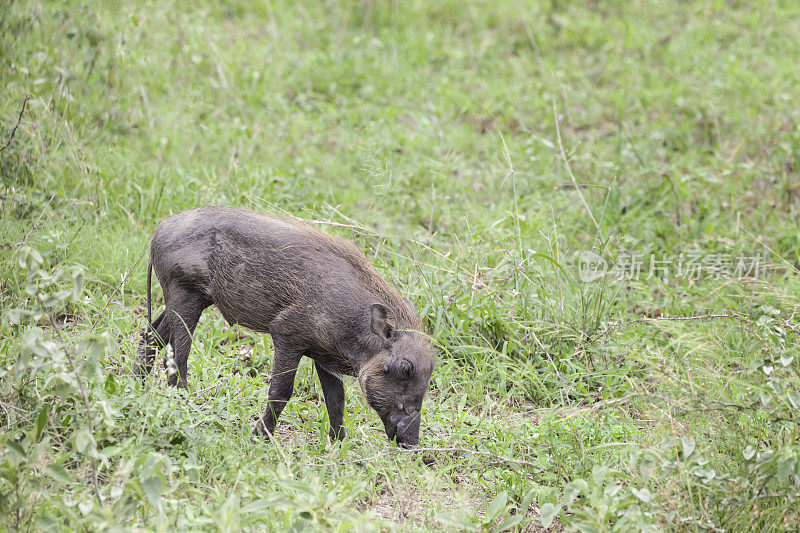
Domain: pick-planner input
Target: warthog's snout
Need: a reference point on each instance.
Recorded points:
(404, 428)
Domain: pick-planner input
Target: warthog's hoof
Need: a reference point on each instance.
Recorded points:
(334, 435)
(260, 433)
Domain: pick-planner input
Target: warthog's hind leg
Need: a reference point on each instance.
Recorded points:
(182, 313)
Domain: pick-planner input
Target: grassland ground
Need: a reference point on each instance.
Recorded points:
(593, 205)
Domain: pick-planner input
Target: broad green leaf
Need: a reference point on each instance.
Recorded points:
(647, 466)
(95, 347)
(526, 502)
(17, 449)
(30, 258)
(110, 384)
(496, 506)
(707, 474)
(611, 491)
(58, 473)
(643, 494)
(548, 513)
(785, 468)
(457, 519)
(30, 346)
(50, 300)
(41, 420)
(765, 397)
(152, 487)
(84, 441)
(110, 451)
(511, 522)
(573, 489)
(794, 398)
(15, 316)
(77, 282)
(688, 445)
(149, 465)
(749, 452)
(45, 523)
(599, 474)
(264, 503)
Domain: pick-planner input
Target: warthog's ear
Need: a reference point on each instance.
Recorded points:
(382, 323)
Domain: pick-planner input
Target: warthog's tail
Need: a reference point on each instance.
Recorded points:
(149, 298)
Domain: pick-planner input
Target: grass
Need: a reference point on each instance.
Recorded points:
(471, 150)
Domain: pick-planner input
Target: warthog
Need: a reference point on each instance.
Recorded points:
(316, 295)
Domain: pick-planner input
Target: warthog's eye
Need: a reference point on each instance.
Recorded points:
(406, 368)
(400, 370)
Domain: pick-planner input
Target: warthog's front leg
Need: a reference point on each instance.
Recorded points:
(333, 390)
(281, 385)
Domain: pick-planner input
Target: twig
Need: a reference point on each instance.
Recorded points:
(696, 522)
(39, 222)
(8, 416)
(773, 252)
(423, 450)
(100, 315)
(146, 105)
(36, 224)
(614, 325)
(17, 199)
(722, 406)
(597, 405)
(738, 406)
(785, 495)
(698, 398)
(569, 169)
(19, 121)
(201, 391)
(786, 419)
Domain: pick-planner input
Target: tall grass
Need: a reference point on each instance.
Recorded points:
(473, 151)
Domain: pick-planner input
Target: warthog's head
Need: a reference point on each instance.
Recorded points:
(394, 381)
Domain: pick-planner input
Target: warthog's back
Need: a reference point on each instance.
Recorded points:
(253, 266)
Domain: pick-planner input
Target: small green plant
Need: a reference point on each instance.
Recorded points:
(49, 378)
(605, 501)
(498, 515)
